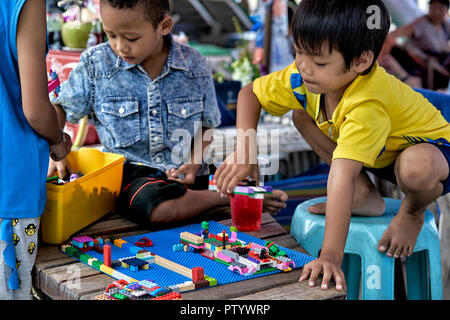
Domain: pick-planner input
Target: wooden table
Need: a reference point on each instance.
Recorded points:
(59, 276)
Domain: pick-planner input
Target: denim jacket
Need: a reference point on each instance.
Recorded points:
(137, 116)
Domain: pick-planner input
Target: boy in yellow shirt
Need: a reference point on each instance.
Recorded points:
(357, 118)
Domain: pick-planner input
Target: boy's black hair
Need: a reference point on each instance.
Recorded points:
(444, 2)
(350, 26)
(155, 10)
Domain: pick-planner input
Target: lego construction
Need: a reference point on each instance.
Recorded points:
(182, 259)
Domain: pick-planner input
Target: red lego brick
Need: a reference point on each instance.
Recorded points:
(198, 274)
(107, 255)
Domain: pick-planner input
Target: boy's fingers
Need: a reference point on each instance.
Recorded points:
(340, 282)
(327, 274)
(223, 175)
(234, 181)
(305, 273)
(226, 181)
(315, 272)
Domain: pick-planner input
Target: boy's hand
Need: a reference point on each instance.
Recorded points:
(62, 168)
(230, 173)
(327, 265)
(60, 150)
(186, 173)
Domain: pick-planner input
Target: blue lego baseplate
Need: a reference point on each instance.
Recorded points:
(163, 242)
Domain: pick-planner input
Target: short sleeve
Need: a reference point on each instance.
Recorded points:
(363, 133)
(275, 93)
(211, 112)
(76, 92)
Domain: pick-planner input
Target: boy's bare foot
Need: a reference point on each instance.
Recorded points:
(367, 201)
(373, 205)
(275, 202)
(400, 236)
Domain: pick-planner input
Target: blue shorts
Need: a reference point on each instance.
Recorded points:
(387, 173)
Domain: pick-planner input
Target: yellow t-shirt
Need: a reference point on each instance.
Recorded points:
(377, 117)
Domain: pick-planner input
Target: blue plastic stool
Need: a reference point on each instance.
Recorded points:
(423, 267)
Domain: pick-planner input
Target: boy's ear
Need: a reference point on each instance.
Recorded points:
(363, 62)
(166, 25)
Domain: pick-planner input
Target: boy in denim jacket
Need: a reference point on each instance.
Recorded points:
(143, 91)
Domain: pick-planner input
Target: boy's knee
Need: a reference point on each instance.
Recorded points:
(417, 168)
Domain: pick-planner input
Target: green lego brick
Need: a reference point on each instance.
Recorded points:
(265, 270)
(70, 250)
(77, 253)
(96, 264)
(85, 257)
(120, 296)
(212, 281)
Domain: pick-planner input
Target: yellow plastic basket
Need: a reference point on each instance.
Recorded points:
(74, 205)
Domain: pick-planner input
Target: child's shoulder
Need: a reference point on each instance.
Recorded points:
(99, 55)
(193, 61)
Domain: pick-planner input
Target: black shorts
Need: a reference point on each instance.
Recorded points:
(143, 188)
(387, 173)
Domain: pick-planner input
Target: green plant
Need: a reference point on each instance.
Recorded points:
(241, 69)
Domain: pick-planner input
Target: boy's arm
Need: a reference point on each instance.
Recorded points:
(242, 162)
(31, 47)
(318, 141)
(340, 190)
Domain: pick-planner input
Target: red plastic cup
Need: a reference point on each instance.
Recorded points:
(246, 212)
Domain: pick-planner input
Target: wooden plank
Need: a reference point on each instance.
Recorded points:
(295, 291)
(65, 282)
(94, 285)
(242, 288)
(47, 258)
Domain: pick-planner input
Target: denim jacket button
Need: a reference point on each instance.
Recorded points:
(183, 112)
(121, 110)
(154, 112)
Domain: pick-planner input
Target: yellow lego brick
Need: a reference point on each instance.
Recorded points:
(119, 242)
(106, 269)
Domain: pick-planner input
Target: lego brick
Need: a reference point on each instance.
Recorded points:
(187, 286)
(198, 274)
(96, 264)
(118, 242)
(85, 258)
(212, 281)
(173, 266)
(106, 269)
(107, 255)
(134, 249)
(201, 284)
(191, 238)
(169, 296)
